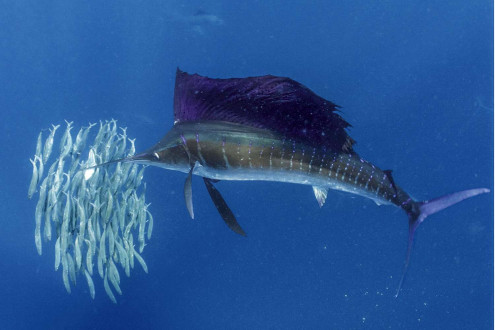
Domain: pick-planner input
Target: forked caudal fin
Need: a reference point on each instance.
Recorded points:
(421, 210)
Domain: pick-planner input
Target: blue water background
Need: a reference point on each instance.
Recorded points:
(415, 79)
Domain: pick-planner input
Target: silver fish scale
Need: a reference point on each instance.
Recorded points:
(94, 219)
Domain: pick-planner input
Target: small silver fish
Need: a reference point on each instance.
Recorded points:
(77, 254)
(130, 249)
(121, 143)
(65, 137)
(114, 276)
(37, 231)
(102, 252)
(67, 209)
(57, 253)
(48, 229)
(41, 166)
(111, 241)
(122, 254)
(100, 266)
(66, 186)
(34, 179)
(142, 224)
(109, 207)
(39, 146)
(89, 257)
(139, 176)
(72, 268)
(65, 273)
(108, 290)
(51, 172)
(150, 223)
(132, 150)
(91, 285)
(47, 150)
(141, 261)
(92, 236)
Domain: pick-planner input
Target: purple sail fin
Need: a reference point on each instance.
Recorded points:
(278, 104)
(420, 210)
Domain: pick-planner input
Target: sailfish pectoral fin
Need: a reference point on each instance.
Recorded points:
(188, 193)
(223, 208)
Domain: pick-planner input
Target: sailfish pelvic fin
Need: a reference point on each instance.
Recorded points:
(222, 207)
(188, 193)
(420, 210)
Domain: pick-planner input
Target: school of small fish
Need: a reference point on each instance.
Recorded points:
(93, 215)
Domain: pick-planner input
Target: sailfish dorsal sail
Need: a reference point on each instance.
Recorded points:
(278, 104)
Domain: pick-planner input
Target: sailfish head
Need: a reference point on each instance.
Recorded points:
(167, 153)
(168, 157)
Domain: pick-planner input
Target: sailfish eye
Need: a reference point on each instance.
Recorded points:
(156, 155)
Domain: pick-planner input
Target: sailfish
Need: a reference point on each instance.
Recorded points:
(273, 128)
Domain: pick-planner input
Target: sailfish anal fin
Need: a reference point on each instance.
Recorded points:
(223, 208)
(320, 194)
(188, 193)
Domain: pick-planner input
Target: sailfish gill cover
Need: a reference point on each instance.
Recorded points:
(278, 104)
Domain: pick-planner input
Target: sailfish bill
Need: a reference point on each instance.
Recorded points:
(272, 128)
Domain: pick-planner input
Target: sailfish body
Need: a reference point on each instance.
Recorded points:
(228, 151)
(273, 129)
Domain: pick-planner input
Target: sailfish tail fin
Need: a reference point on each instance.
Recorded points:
(421, 210)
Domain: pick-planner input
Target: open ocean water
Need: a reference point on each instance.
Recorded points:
(414, 79)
